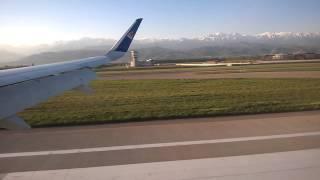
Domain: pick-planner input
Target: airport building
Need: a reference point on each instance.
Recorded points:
(134, 58)
(296, 56)
(282, 56)
(311, 56)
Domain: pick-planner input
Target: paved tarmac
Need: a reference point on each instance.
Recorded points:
(197, 143)
(207, 75)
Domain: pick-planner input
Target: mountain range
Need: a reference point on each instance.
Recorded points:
(211, 45)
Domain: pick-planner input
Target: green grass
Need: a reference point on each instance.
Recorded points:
(129, 100)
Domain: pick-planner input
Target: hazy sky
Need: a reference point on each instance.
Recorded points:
(46, 21)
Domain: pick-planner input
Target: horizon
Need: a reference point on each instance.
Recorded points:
(156, 39)
(35, 22)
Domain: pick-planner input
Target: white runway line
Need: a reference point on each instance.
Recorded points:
(293, 165)
(171, 144)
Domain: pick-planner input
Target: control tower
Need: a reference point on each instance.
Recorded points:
(134, 58)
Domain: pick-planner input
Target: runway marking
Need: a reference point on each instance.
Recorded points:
(293, 165)
(155, 145)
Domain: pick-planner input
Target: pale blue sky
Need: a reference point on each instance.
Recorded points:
(21, 20)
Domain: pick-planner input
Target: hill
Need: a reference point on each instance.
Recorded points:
(212, 45)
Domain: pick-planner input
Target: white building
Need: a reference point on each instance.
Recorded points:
(280, 56)
(134, 58)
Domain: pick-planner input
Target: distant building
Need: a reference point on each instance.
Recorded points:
(148, 62)
(300, 56)
(282, 56)
(311, 55)
(296, 56)
(134, 58)
(268, 57)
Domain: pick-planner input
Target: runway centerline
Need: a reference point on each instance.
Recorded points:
(156, 145)
(293, 165)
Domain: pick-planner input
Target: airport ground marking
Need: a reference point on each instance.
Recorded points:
(156, 145)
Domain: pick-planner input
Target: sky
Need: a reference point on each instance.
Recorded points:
(32, 22)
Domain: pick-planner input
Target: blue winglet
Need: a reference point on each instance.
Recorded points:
(124, 43)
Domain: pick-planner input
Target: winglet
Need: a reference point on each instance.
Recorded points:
(124, 43)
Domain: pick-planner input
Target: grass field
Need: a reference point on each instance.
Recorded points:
(128, 100)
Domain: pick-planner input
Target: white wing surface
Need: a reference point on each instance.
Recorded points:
(21, 88)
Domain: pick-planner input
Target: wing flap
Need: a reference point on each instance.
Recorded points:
(17, 97)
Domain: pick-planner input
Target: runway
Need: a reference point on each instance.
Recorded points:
(207, 75)
(266, 146)
(293, 165)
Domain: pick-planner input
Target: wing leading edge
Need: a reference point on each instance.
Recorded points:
(25, 87)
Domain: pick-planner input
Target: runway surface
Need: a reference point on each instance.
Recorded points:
(207, 75)
(266, 146)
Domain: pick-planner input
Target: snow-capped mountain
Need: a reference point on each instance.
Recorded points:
(213, 39)
(268, 40)
(215, 45)
(287, 35)
(224, 36)
(264, 36)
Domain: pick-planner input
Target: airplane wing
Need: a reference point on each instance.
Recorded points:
(21, 88)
